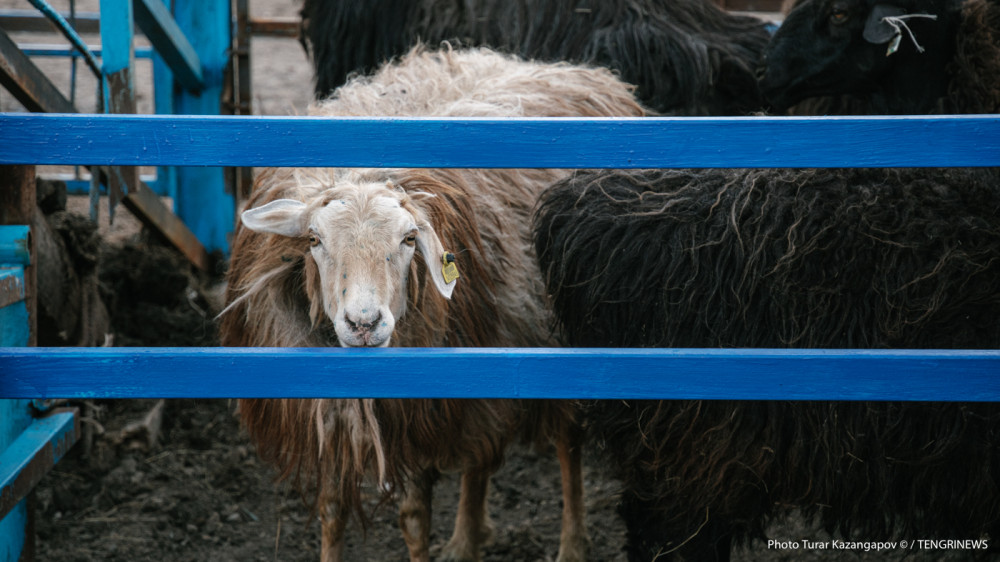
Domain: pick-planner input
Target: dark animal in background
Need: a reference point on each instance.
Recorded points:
(800, 258)
(687, 57)
(886, 57)
(862, 258)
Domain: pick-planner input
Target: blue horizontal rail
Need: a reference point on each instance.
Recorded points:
(750, 142)
(82, 186)
(69, 32)
(47, 50)
(500, 373)
(87, 20)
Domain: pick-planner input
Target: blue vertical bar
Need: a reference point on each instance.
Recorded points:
(15, 415)
(163, 103)
(202, 202)
(116, 38)
(117, 62)
(15, 328)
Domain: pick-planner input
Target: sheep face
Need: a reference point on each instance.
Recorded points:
(860, 47)
(362, 237)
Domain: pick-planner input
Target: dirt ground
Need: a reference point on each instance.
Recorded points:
(201, 494)
(198, 491)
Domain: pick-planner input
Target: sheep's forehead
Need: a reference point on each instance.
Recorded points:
(373, 212)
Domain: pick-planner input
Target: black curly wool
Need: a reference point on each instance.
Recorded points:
(685, 56)
(855, 258)
(860, 258)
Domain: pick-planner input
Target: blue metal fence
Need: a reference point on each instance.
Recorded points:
(15, 415)
(31, 442)
(191, 41)
(200, 141)
(205, 142)
(25, 451)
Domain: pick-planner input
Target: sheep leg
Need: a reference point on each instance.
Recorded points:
(573, 541)
(473, 527)
(415, 515)
(333, 521)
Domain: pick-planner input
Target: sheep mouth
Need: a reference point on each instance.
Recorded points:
(363, 342)
(776, 91)
(781, 97)
(779, 102)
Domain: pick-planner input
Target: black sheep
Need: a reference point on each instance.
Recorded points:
(685, 56)
(860, 258)
(886, 57)
(799, 258)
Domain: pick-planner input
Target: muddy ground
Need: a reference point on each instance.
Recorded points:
(201, 494)
(198, 491)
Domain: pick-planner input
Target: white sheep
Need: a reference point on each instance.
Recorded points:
(325, 257)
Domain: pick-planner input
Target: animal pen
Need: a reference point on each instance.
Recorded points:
(32, 439)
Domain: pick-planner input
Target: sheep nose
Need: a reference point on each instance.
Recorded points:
(363, 324)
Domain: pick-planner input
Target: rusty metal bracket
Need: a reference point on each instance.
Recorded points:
(11, 286)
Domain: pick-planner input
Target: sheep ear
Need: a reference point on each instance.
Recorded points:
(878, 31)
(284, 216)
(432, 250)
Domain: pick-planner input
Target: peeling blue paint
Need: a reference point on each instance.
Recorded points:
(14, 241)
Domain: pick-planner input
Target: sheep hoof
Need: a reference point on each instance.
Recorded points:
(486, 533)
(576, 552)
(463, 550)
(458, 553)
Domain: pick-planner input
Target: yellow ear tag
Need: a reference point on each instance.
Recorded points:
(448, 268)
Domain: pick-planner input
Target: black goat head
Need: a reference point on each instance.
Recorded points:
(895, 49)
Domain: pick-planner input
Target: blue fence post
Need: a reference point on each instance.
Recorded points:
(163, 103)
(202, 201)
(15, 417)
(117, 64)
(17, 205)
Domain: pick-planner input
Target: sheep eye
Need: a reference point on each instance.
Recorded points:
(313, 240)
(838, 17)
(410, 240)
